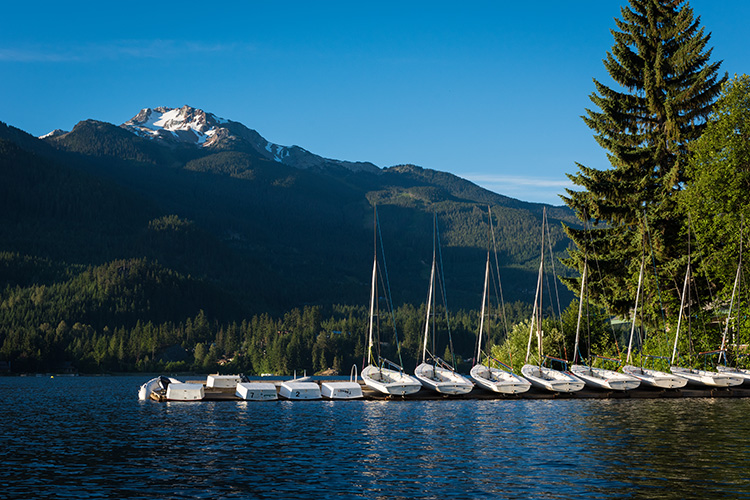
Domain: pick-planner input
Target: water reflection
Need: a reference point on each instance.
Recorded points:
(90, 438)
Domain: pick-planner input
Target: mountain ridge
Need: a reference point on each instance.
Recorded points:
(235, 217)
(188, 125)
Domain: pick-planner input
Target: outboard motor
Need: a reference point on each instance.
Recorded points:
(163, 382)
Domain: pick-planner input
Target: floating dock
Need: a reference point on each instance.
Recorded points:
(228, 394)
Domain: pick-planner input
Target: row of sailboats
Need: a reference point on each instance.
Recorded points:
(696, 376)
(436, 374)
(488, 373)
(680, 376)
(741, 373)
(432, 373)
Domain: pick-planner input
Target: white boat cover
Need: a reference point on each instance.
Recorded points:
(542, 377)
(184, 392)
(391, 382)
(655, 378)
(497, 380)
(601, 378)
(742, 373)
(341, 390)
(294, 389)
(256, 391)
(442, 380)
(706, 378)
(222, 381)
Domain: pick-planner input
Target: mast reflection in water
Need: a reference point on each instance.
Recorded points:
(88, 437)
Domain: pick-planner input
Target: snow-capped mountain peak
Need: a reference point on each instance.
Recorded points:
(183, 124)
(55, 133)
(195, 126)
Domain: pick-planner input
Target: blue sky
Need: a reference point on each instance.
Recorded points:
(491, 91)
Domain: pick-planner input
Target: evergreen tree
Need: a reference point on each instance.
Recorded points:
(666, 88)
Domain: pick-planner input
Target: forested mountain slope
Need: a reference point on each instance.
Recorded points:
(229, 231)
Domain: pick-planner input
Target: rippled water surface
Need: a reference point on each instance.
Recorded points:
(89, 437)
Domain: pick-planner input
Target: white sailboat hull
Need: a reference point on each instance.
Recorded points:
(551, 380)
(341, 390)
(442, 380)
(391, 382)
(497, 380)
(742, 373)
(294, 389)
(707, 378)
(605, 379)
(655, 378)
(256, 391)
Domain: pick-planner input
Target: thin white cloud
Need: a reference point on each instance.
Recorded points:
(526, 188)
(114, 50)
(518, 180)
(34, 54)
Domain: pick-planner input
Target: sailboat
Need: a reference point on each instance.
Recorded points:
(741, 373)
(380, 374)
(599, 378)
(602, 378)
(648, 376)
(484, 375)
(538, 375)
(707, 378)
(694, 376)
(434, 373)
(734, 371)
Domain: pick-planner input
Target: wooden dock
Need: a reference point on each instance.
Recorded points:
(213, 394)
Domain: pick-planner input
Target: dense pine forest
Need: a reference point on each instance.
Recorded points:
(120, 254)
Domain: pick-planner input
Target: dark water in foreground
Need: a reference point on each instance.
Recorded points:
(89, 437)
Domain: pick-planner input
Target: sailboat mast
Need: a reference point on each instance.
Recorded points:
(484, 304)
(536, 313)
(731, 304)
(429, 310)
(541, 296)
(580, 312)
(635, 310)
(373, 286)
(373, 293)
(485, 291)
(682, 307)
(533, 314)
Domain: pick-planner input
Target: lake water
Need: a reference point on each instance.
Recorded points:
(89, 437)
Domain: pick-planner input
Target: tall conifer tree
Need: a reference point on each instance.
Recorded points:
(665, 90)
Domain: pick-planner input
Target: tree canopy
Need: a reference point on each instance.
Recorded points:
(665, 86)
(715, 197)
